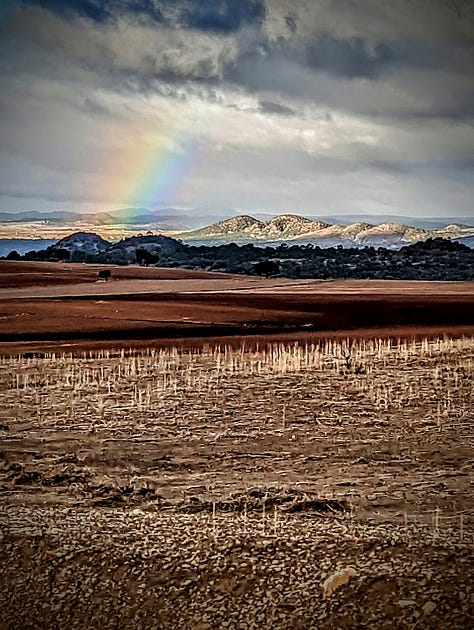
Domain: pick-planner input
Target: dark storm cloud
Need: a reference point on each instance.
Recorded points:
(350, 57)
(91, 9)
(355, 58)
(256, 59)
(342, 58)
(221, 16)
(391, 89)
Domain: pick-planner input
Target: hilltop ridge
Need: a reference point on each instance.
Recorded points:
(293, 228)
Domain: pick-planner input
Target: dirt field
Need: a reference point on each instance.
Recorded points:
(201, 451)
(52, 302)
(223, 488)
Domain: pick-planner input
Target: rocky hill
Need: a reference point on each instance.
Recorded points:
(85, 242)
(466, 240)
(245, 227)
(292, 228)
(241, 226)
(130, 250)
(85, 246)
(291, 225)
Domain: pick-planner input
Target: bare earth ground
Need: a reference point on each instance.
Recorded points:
(53, 302)
(220, 486)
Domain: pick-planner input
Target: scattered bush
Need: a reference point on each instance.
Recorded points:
(105, 274)
(266, 268)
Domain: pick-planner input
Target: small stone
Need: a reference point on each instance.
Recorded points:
(428, 608)
(337, 579)
(406, 602)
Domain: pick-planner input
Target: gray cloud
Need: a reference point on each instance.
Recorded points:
(288, 100)
(92, 106)
(124, 55)
(270, 107)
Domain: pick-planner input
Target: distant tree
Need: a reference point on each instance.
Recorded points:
(145, 257)
(266, 268)
(42, 254)
(78, 256)
(13, 255)
(63, 254)
(105, 274)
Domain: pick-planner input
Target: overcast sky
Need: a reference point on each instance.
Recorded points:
(307, 106)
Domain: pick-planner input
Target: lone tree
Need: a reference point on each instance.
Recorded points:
(266, 268)
(13, 255)
(105, 274)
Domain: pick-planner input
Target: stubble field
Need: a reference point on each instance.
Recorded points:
(223, 487)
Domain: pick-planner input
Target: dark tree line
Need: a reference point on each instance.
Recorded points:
(434, 259)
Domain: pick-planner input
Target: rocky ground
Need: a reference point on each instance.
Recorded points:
(288, 487)
(135, 568)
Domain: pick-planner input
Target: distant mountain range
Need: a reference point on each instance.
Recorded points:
(294, 229)
(55, 217)
(348, 219)
(166, 219)
(245, 227)
(173, 219)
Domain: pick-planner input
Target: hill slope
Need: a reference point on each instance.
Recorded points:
(85, 242)
(292, 228)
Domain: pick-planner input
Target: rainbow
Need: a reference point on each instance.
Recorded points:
(154, 174)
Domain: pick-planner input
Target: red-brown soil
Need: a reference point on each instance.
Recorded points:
(18, 274)
(220, 489)
(40, 303)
